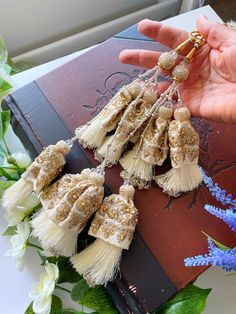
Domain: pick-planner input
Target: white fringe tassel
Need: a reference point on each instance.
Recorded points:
(98, 263)
(53, 238)
(115, 150)
(93, 134)
(179, 180)
(136, 166)
(15, 194)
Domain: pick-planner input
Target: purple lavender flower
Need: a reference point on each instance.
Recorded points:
(228, 216)
(226, 259)
(219, 194)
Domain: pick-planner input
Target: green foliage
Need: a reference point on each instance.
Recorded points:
(220, 245)
(99, 300)
(4, 86)
(3, 51)
(71, 311)
(5, 185)
(20, 66)
(191, 299)
(10, 231)
(79, 290)
(5, 119)
(56, 307)
(95, 298)
(29, 309)
(67, 272)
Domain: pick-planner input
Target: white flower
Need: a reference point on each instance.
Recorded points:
(22, 160)
(41, 292)
(18, 242)
(18, 213)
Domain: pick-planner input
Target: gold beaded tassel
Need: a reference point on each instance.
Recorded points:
(93, 134)
(113, 228)
(150, 150)
(39, 174)
(132, 120)
(67, 206)
(185, 174)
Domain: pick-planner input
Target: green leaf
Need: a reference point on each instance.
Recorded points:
(221, 246)
(67, 272)
(71, 311)
(20, 66)
(56, 306)
(10, 231)
(50, 259)
(99, 300)
(4, 185)
(3, 51)
(4, 85)
(5, 69)
(5, 119)
(191, 299)
(29, 309)
(79, 290)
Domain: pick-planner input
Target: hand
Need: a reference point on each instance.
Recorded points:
(210, 90)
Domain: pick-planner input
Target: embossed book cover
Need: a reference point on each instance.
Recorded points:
(169, 229)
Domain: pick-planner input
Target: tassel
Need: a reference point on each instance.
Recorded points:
(67, 206)
(151, 150)
(185, 174)
(113, 226)
(132, 120)
(38, 175)
(92, 135)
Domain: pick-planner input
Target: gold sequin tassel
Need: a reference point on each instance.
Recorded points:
(113, 226)
(92, 134)
(67, 206)
(185, 174)
(150, 150)
(132, 120)
(39, 174)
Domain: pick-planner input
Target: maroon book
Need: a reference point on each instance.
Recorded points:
(169, 229)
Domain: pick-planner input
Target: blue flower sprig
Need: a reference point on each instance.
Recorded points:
(218, 255)
(219, 194)
(226, 259)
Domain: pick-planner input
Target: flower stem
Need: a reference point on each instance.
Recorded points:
(5, 144)
(34, 245)
(61, 288)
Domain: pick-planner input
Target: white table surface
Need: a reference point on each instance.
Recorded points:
(14, 286)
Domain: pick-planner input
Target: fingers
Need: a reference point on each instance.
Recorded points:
(162, 33)
(143, 58)
(217, 35)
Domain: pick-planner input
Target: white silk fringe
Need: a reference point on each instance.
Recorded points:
(98, 263)
(92, 135)
(178, 180)
(53, 238)
(111, 150)
(136, 166)
(15, 194)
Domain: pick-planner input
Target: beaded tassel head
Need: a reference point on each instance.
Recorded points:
(39, 174)
(67, 206)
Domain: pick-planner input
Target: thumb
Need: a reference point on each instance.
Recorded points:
(216, 34)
